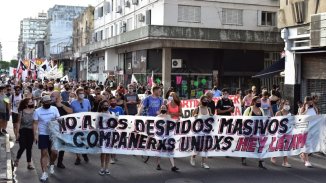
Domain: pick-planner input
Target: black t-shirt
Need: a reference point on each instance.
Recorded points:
(91, 100)
(211, 105)
(62, 112)
(224, 105)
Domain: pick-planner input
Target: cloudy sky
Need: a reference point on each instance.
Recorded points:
(12, 11)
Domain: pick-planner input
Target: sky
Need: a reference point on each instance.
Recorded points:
(13, 11)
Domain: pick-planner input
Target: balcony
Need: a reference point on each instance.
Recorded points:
(154, 32)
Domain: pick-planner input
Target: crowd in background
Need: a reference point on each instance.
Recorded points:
(32, 105)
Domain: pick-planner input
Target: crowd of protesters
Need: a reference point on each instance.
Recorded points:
(33, 105)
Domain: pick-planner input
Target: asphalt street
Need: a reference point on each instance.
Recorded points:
(131, 169)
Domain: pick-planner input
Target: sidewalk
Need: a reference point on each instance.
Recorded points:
(5, 160)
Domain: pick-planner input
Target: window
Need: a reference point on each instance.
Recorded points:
(267, 18)
(189, 13)
(111, 30)
(100, 11)
(129, 24)
(232, 16)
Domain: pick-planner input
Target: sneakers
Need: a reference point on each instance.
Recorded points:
(44, 176)
(104, 172)
(192, 161)
(112, 161)
(308, 164)
(4, 131)
(261, 165)
(51, 169)
(101, 172)
(174, 169)
(204, 165)
(286, 165)
(273, 160)
(77, 162)
(107, 172)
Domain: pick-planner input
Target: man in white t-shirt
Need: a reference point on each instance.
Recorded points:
(15, 101)
(42, 117)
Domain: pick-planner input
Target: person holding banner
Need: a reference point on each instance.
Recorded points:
(284, 111)
(201, 110)
(164, 114)
(80, 105)
(105, 158)
(225, 106)
(254, 110)
(174, 106)
(42, 117)
(64, 109)
(309, 109)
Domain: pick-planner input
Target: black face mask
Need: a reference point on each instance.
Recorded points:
(311, 106)
(113, 105)
(258, 104)
(46, 106)
(163, 111)
(204, 103)
(31, 106)
(105, 108)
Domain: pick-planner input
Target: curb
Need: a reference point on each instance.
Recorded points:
(7, 159)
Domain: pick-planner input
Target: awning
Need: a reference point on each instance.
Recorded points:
(273, 70)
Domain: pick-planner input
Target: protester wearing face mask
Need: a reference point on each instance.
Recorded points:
(266, 104)
(105, 157)
(80, 105)
(308, 108)
(97, 99)
(72, 96)
(16, 98)
(117, 110)
(174, 106)
(42, 118)
(284, 111)
(64, 109)
(26, 135)
(225, 106)
(254, 110)
(132, 100)
(165, 115)
(201, 110)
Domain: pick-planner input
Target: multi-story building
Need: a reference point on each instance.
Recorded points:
(303, 24)
(60, 28)
(32, 30)
(190, 45)
(0, 52)
(82, 34)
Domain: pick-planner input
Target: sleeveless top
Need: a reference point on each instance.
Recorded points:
(265, 105)
(174, 109)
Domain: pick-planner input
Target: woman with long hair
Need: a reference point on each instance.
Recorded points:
(103, 107)
(164, 114)
(174, 106)
(26, 135)
(254, 110)
(284, 111)
(201, 110)
(310, 109)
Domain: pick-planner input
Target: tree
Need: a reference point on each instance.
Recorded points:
(4, 65)
(13, 63)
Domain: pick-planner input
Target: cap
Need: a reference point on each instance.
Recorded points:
(46, 98)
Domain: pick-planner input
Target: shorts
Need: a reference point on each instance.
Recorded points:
(44, 142)
(15, 117)
(3, 116)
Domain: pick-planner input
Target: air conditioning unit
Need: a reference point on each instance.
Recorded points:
(141, 17)
(135, 2)
(119, 9)
(318, 30)
(127, 4)
(123, 27)
(176, 63)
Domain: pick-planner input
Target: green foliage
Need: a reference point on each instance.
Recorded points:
(13, 63)
(4, 65)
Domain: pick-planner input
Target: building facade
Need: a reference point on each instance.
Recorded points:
(190, 45)
(82, 34)
(303, 24)
(32, 30)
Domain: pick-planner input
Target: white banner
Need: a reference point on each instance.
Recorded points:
(237, 136)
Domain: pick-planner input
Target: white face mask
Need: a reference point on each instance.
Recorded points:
(81, 96)
(286, 107)
(170, 98)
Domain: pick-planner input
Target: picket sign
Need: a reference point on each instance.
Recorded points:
(235, 136)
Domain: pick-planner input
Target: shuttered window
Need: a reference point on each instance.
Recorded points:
(189, 13)
(232, 16)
